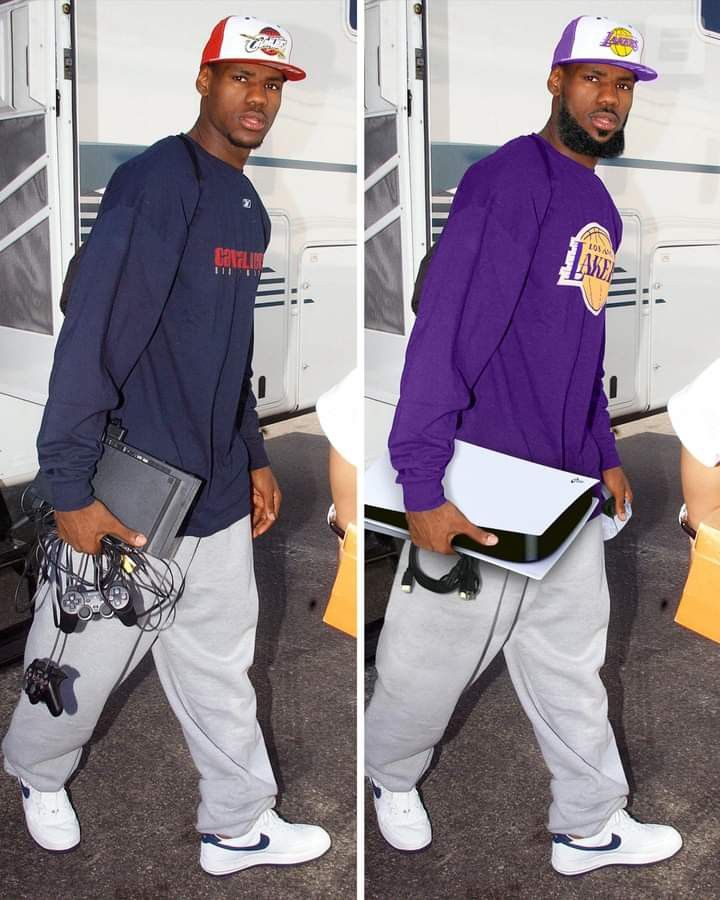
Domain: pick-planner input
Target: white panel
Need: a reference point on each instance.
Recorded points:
(18, 456)
(391, 71)
(20, 21)
(685, 316)
(40, 53)
(378, 421)
(624, 308)
(326, 299)
(272, 309)
(374, 100)
(5, 62)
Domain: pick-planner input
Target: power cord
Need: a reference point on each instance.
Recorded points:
(464, 577)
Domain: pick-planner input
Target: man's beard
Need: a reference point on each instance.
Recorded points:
(574, 136)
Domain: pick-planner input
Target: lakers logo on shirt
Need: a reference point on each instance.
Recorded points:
(589, 265)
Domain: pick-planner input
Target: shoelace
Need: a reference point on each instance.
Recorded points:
(400, 803)
(624, 819)
(272, 819)
(48, 802)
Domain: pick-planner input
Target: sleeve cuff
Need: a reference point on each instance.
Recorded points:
(609, 458)
(421, 495)
(257, 456)
(69, 497)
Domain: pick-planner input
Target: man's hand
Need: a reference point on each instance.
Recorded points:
(266, 499)
(83, 528)
(433, 529)
(615, 481)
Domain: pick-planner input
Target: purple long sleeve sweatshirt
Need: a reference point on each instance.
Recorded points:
(508, 345)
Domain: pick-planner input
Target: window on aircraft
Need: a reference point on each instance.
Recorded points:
(710, 16)
(352, 15)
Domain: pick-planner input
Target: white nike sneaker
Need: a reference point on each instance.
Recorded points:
(402, 818)
(50, 819)
(622, 842)
(271, 841)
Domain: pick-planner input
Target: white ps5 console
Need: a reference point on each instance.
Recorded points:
(535, 511)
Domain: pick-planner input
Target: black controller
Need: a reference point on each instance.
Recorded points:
(83, 603)
(42, 681)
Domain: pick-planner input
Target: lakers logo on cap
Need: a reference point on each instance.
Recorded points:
(620, 41)
(589, 265)
(268, 41)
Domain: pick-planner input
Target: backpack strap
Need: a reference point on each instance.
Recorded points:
(189, 145)
(542, 146)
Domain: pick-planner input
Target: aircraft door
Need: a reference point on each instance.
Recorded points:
(31, 264)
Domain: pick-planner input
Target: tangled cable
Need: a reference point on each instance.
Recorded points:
(464, 577)
(117, 581)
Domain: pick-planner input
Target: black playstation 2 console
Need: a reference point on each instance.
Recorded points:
(145, 493)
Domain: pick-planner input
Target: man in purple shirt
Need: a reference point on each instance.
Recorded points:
(506, 353)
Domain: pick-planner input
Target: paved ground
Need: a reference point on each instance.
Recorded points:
(136, 791)
(488, 788)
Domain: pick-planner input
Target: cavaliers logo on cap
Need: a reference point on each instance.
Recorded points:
(589, 265)
(620, 41)
(268, 41)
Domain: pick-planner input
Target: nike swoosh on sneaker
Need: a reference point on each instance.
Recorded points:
(612, 844)
(25, 790)
(262, 844)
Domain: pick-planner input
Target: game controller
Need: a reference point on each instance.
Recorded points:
(81, 603)
(42, 681)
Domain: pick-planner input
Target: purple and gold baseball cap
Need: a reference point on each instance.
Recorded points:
(594, 39)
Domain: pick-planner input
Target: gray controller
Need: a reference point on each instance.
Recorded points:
(82, 603)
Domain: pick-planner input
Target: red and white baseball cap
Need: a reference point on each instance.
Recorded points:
(245, 39)
(590, 39)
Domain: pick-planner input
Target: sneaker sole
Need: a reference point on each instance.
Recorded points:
(267, 859)
(621, 859)
(51, 849)
(404, 849)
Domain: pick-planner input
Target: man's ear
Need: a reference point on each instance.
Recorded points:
(202, 82)
(555, 79)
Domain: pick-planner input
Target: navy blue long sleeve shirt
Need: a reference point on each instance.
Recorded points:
(159, 332)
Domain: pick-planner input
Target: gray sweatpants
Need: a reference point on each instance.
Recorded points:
(202, 659)
(553, 635)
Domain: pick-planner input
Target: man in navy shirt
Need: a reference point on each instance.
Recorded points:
(159, 334)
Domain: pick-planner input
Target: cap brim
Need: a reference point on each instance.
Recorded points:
(642, 73)
(292, 73)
